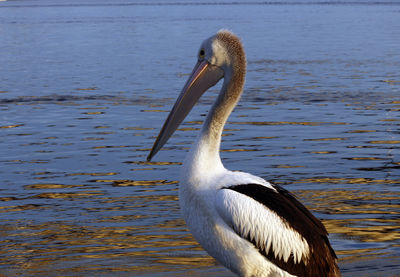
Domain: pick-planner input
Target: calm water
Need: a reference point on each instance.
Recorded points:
(86, 85)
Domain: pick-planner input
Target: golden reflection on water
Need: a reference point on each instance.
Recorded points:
(93, 113)
(384, 141)
(368, 216)
(347, 180)
(125, 183)
(238, 150)
(93, 174)
(310, 123)
(11, 126)
(125, 243)
(324, 139)
(32, 249)
(49, 186)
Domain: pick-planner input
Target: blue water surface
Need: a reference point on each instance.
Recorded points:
(86, 85)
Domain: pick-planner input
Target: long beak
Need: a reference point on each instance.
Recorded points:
(204, 76)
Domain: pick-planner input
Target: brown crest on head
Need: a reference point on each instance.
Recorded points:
(235, 48)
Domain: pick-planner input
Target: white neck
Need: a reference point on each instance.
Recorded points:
(204, 159)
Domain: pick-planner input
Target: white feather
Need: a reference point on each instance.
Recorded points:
(250, 218)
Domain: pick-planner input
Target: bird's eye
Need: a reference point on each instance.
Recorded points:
(202, 53)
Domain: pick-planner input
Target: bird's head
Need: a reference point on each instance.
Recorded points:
(219, 56)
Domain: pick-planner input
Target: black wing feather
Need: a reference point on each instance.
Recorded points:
(322, 258)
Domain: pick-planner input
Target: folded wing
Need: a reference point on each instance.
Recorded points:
(279, 226)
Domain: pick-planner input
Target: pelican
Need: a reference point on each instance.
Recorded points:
(252, 227)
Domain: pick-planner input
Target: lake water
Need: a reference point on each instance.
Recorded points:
(86, 85)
